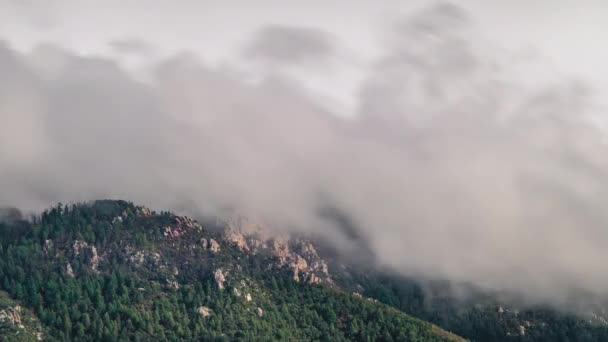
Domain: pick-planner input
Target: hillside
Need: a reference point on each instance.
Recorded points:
(110, 270)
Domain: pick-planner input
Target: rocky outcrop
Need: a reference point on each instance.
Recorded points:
(299, 255)
(93, 258)
(11, 315)
(204, 311)
(143, 212)
(214, 246)
(69, 271)
(181, 224)
(219, 278)
(238, 239)
(298, 265)
(172, 284)
(78, 246)
(248, 297)
(260, 312)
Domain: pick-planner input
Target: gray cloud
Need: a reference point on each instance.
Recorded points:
(455, 167)
(291, 45)
(132, 46)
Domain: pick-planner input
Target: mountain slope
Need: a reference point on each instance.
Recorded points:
(110, 270)
(16, 322)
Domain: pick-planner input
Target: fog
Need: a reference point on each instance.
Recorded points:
(461, 162)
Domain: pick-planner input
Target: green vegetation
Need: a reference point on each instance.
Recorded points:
(478, 321)
(108, 271)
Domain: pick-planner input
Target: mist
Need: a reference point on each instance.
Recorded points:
(460, 161)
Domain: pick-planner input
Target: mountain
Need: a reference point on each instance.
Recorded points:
(110, 270)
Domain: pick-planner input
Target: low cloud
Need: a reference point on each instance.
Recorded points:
(287, 45)
(455, 166)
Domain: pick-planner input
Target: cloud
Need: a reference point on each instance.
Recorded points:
(455, 167)
(132, 46)
(287, 45)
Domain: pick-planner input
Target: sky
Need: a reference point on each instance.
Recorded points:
(567, 33)
(463, 141)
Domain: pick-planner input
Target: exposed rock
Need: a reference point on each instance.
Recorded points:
(69, 271)
(78, 246)
(204, 243)
(357, 294)
(236, 292)
(219, 278)
(238, 239)
(280, 248)
(297, 266)
(248, 297)
(214, 246)
(204, 311)
(173, 284)
(172, 232)
(117, 219)
(135, 257)
(48, 246)
(93, 258)
(11, 315)
(175, 271)
(260, 312)
(143, 211)
(313, 279)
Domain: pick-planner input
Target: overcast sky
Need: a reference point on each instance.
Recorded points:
(569, 34)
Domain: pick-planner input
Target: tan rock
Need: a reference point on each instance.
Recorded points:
(78, 246)
(204, 311)
(214, 246)
(238, 239)
(219, 278)
(69, 271)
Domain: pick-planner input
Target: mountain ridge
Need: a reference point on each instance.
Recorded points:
(110, 270)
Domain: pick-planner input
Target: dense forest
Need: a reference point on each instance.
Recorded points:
(109, 271)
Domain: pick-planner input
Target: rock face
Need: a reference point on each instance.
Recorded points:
(78, 246)
(299, 255)
(172, 284)
(260, 312)
(219, 278)
(238, 239)
(181, 224)
(204, 311)
(248, 297)
(69, 271)
(93, 258)
(214, 246)
(11, 315)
